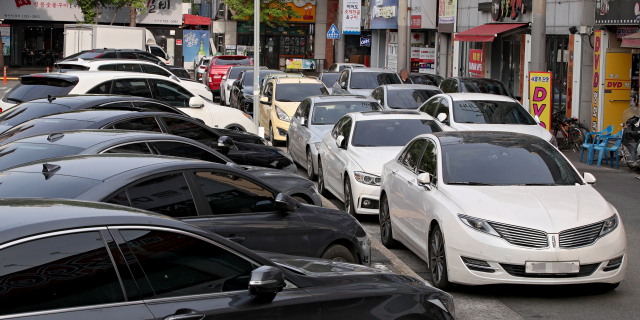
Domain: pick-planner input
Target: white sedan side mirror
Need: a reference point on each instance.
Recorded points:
(196, 102)
(442, 117)
(302, 121)
(424, 180)
(589, 178)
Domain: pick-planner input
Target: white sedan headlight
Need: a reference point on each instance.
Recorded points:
(366, 178)
(609, 225)
(478, 225)
(282, 115)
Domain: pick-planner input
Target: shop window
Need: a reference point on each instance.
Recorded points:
(558, 64)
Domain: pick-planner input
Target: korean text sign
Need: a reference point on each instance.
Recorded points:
(540, 95)
(475, 63)
(351, 14)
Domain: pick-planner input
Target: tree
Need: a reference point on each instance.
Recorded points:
(272, 12)
(88, 8)
(90, 12)
(134, 6)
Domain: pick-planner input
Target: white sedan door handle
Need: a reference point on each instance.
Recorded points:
(394, 172)
(409, 182)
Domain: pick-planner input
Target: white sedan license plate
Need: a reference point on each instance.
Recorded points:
(552, 267)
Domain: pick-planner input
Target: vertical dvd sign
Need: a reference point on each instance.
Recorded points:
(597, 50)
(540, 95)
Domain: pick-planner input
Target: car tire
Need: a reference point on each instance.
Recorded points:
(438, 260)
(338, 253)
(271, 137)
(349, 206)
(386, 235)
(322, 189)
(310, 174)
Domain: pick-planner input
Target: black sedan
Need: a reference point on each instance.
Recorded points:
(99, 261)
(43, 107)
(241, 94)
(220, 198)
(81, 142)
(241, 147)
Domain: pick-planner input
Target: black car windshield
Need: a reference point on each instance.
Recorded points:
(226, 61)
(427, 79)
(28, 111)
(248, 76)
(391, 132)
(506, 161)
(234, 72)
(329, 79)
(17, 153)
(486, 86)
(330, 113)
(28, 185)
(38, 88)
(409, 98)
(494, 112)
(90, 54)
(41, 126)
(371, 80)
(296, 92)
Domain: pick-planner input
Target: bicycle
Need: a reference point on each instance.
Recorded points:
(570, 129)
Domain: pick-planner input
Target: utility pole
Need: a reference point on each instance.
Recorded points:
(256, 62)
(403, 27)
(538, 35)
(340, 42)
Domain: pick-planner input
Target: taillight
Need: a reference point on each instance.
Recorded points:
(203, 67)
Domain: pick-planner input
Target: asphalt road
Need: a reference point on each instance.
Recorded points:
(620, 188)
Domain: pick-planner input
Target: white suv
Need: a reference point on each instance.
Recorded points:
(161, 88)
(353, 152)
(132, 66)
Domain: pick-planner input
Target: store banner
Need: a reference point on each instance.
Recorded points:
(540, 95)
(427, 60)
(5, 36)
(476, 63)
(351, 14)
(596, 79)
(415, 60)
(384, 14)
(447, 15)
(423, 14)
(301, 64)
(570, 78)
(157, 12)
(193, 42)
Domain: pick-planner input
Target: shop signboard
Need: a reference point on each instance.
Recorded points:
(423, 14)
(476, 63)
(417, 39)
(384, 14)
(365, 41)
(193, 42)
(301, 64)
(447, 15)
(351, 15)
(540, 95)
(305, 8)
(569, 102)
(610, 12)
(617, 89)
(507, 8)
(165, 12)
(5, 36)
(596, 79)
(427, 60)
(415, 60)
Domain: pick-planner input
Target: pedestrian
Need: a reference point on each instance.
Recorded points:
(404, 75)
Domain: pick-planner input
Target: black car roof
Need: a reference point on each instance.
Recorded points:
(103, 166)
(94, 115)
(461, 137)
(87, 138)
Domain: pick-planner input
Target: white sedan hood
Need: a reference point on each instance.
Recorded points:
(371, 159)
(547, 208)
(534, 130)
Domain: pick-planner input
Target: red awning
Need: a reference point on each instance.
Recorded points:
(632, 41)
(190, 19)
(487, 32)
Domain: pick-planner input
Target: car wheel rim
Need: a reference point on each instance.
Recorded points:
(340, 259)
(436, 257)
(385, 223)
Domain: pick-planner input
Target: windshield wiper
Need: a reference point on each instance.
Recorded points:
(16, 100)
(471, 183)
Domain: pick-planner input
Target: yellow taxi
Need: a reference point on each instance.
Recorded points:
(279, 100)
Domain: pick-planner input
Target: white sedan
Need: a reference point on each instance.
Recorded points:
(489, 207)
(484, 112)
(353, 152)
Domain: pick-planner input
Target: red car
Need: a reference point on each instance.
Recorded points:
(218, 68)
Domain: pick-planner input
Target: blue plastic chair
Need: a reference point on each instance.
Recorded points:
(603, 148)
(589, 145)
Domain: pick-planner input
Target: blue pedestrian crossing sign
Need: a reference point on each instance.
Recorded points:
(333, 32)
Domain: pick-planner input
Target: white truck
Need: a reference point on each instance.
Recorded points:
(78, 37)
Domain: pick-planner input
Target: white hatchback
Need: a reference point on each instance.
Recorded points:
(495, 207)
(484, 112)
(351, 155)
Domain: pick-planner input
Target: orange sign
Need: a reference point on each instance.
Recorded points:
(540, 95)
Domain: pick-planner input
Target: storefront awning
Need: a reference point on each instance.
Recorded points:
(631, 41)
(487, 32)
(190, 19)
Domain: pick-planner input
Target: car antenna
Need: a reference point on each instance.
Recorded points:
(50, 98)
(48, 170)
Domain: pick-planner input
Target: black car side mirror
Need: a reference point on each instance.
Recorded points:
(285, 203)
(266, 282)
(224, 144)
(518, 98)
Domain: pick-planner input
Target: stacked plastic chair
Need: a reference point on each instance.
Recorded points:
(603, 148)
(589, 145)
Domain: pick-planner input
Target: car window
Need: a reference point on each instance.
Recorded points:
(140, 124)
(336, 128)
(156, 51)
(28, 111)
(496, 112)
(225, 61)
(292, 92)
(306, 110)
(409, 98)
(298, 113)
(146, 56)
(332, 68)
(429, 161)
(108, 67)
(391, 132)
(179, 265)
(36, 88)
(155, 70)
(127, 55)
(405, 151)
(343, 77)
(329, 113)
(345, 130)
(103, 88)
(168, 195)
(486, 86)
(65, 271)
(129, 67)
(185, 150)
(330, 78)
(155, 106)
(131, 87)
(170, 93)
(229, 194)
(91, 54)
(17, 153)
(190, 130)
(131, 148)
(443, 108)
(412, 156)
(430, 107)
(371, 80)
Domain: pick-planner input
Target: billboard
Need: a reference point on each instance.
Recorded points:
(192, 42)
(424, 14)
(384, 14)
(540, 95)
(351, 14)
(447, 15)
